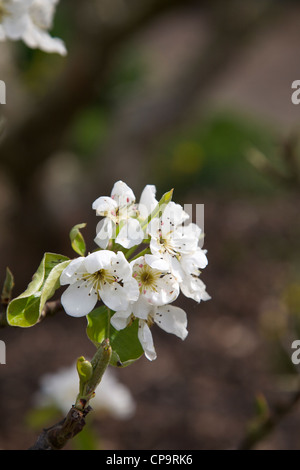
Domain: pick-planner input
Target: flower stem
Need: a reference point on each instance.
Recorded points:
(99, 364)
(108, 324)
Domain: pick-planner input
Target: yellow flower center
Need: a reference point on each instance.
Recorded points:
(146, 277)
(98, 279)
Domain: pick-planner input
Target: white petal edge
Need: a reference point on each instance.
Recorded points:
(99, 260)
(121, 319)
(146, 340)
(131, 234)
(68, 275)
(105, 231)
(172, 320)
(78, 300)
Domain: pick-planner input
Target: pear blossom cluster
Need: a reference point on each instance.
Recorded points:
(148, 253)
(30, 21)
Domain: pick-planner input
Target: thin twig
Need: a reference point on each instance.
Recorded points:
(269, 423)
(56, 437)
(50, 309)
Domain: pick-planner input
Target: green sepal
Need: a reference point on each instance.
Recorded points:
(25, 310)
(125, 344)
(77, 240)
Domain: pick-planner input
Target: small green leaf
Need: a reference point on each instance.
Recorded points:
(8, 286)
(52, 283)
(25, 310)
(125, 344)
(77, 240)
(97, 325)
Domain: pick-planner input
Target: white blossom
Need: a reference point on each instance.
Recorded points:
(120, 218)
(156, 287)
(191, 285)
(61, 388)
(171, 319)
(157, 290)
(168, 240)
(103, 275)
(30, 21)
(145, 288)
(148, 201)
(13, 18)
(171, 240)
(40, 20)
(176, 246)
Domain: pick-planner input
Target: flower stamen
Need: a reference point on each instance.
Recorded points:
(146, 277)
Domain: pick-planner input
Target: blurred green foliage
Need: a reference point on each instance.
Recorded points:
(213, 154)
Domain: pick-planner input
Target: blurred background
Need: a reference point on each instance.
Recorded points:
(183, 94)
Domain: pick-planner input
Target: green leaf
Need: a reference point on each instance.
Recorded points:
(125, 344)
(52, 283)
(25, 310)
(8, 286)
(77, 240)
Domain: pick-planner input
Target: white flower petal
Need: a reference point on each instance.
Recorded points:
(182, 242)
(141, 308)
(35, 37)
(176, 268)
(15, 26)
(105, 231)
(148, 201)
(99, 260)
(121, 319)
(104, 205)
(173, 215)
(193, 288)
(167, 290)
(157, 262)
(30, 21)
(69, 274)
(120, 267)
(155, 247)
(118, 297)
(193, 262)
(42, 11)
(131, 234)
(172, 320)
(78, 299)
(153, 228)
(122, 194)
(146, 340)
